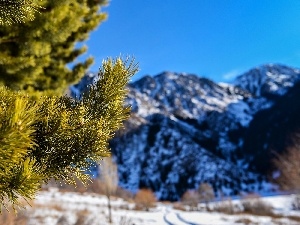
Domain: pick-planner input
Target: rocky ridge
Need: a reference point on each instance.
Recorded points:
(185, 130)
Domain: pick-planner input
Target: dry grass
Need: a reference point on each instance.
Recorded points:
(250, 204)
(82, 217)
(12, 218)
(245, 221)
(63, 187)
(253, 204)
(51, 206)
(62, 220)
(95, 186)
(296, 203)
(124, 194)
(125, 221)
(288, 163)
(226, 206)
(17, 216)
(294, 218)
(179, 206)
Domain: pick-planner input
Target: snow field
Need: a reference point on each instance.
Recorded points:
(66, 208)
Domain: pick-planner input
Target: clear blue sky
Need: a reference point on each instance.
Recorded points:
(217, 39)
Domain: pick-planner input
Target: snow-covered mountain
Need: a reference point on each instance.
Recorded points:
(185, 130)
(267, 80)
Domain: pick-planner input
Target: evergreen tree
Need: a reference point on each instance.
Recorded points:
(55, 137)
(17, 11)
(59, 137)
(35, 55)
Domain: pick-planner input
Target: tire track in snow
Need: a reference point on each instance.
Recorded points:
(167, 212)
(175, 219)
(185, 221)
(166, 220)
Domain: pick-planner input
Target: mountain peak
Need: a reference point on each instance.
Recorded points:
(268, 79)
(185, 130)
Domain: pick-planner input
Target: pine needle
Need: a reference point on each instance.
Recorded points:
(17, 11)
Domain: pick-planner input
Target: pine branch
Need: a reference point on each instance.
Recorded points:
(17, 11)
(59, 137)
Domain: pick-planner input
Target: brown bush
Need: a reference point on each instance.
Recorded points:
(225, 206)
(145, 199)
(206, 194)
(179, 206)
(190, 198)
(253, 204)
(288, 164)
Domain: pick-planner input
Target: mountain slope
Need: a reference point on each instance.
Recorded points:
(185, 130)
(268, 80)
(271, 131)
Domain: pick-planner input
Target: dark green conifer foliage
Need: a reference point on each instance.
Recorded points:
(34, 55)
(59, 137)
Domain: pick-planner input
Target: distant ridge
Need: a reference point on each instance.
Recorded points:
(185, 130)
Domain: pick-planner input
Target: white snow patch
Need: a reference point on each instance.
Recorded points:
(50, 206)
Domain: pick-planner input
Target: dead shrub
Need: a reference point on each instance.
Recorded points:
(296, 202)
(225, 206)
(190, 198)
(288, 164)
(55, 207)
(82, 217)
(179, 206)
(206, 194)
(144, 199)
(125, 221)
(63, 220)
(245, 221)
(294, 218)
(253, 204)
(126, 206)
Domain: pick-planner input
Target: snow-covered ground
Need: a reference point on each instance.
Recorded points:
(67, 208)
